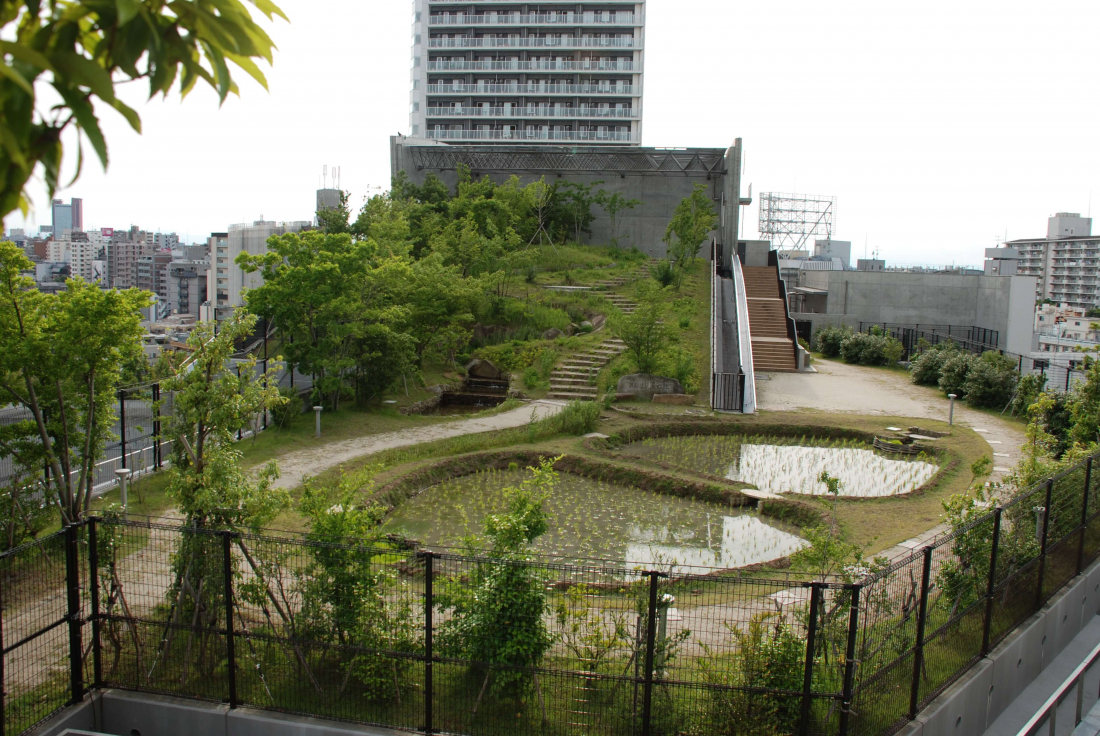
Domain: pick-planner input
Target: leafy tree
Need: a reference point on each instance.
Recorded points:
(1085, 407)
(616, 206)
(991, 381)
(644, 333)
(953, 373)
(693, 218)
(61, 358)
(335, 219)
(927, 367)
(830, 339)
(88, 48)
(497, 615)
(211, 401)
(577, 199)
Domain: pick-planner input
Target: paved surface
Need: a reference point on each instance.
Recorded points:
(294, 467)
(839, 387)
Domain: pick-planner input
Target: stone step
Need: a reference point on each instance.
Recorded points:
(570, 395)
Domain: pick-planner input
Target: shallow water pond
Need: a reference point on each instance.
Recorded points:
(603, 521)
(781, 466)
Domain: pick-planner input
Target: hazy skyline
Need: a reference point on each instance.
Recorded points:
(940, 127)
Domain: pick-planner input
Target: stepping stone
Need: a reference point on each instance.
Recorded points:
(995, 442)
(1001, 454)
(596, 436)
(983, 431)
(894, 429)
(922, 437)
(1002, 470)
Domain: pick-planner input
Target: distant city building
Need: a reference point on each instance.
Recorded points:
(187, 283)
(151, 274)
(1064, 321)
(1064, 262)
(124, 248)
(67, 216)
(1002, 262)
(529, 73)
(229, 280)
(829, 248)
(327, 199)
(164, 241)
(217, 278)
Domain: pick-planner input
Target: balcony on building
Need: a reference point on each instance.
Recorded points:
(519, 20)
(508, 110)
(532, 65)
(541, 133)
(516, 41)
(515, 88)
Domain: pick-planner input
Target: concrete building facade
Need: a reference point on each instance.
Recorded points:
(512, 72)
(227, 278)
(1064, 263)
(1004, 304)
(151, 274)
(658, 178)
(187, 285)
(67, 216)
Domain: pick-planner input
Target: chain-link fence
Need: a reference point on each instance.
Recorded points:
(439, 641)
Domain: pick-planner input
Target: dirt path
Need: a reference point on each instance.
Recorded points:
(839, 387)
(294, 467)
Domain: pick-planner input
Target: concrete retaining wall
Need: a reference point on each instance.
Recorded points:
(973, 703)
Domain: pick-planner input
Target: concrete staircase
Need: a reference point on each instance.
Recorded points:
(574, 378)
(625, 305)
(772, 349)
(642, 272)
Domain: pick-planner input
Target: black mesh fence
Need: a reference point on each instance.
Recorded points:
(460, 643)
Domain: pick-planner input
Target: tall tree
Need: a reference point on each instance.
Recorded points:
(616, 206)
(61, 357)
(89, 47)
(693, 218)
(577, 200)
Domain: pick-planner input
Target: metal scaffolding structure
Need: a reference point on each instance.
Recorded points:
(788, 220)
(492, 159)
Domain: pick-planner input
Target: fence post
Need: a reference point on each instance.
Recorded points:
(93, 583)
(429, 603)
(238, 383)
(230, 650)
(650, 647)
(72, 585)
(987, 626)
(156, 425)
(1084, 516)
(808, 674)
(922, 619)
(1043, 545)
(850, 662)
(122, 424)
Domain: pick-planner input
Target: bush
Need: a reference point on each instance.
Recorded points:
(927, 367)
(1028, 390)
(283, 413)
(991, 381)
(829, 339)
(870, 349)
(680, 364)
(578, 417)
(664, 272)
(954, 372)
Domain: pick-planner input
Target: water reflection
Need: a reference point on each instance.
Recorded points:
(590, 519)
(794, 469)
(789, 468)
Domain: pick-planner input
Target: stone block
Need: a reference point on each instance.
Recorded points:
(552, 334)
(624, 397)
(961, 709)
(677, 399)
(1016, 662)
(644, 385)
(478, 368)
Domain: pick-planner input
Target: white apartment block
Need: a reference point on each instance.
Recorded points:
(226, 282)
(1064, 262)
(505, 72)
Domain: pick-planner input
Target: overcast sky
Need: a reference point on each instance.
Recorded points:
(939, 126)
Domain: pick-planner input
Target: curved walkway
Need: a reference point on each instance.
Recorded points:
(294, 467)
(839, 387)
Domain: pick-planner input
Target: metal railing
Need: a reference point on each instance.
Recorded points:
(1049, 712)
(534, 89)
(569, 42)
(534, 135)
(545, 111)
(584, 65)
(532, 19)
(242, 618)
(744, 337)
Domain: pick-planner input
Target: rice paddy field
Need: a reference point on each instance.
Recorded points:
(602, 521)
(790, 465)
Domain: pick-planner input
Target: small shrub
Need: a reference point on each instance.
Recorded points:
(680, 364)
(829, 339)
(531, 274)
(1028, 390)
(283, 414)
(870, 349)
(927, 367)
(991, 381)
(685, 323)
(954, 372)
(578, 417)
(664, 273)
(531, 379)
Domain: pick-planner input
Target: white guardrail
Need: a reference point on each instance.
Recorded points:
(744, 336)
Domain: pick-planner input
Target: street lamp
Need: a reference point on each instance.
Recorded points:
(317, 409)
(123, 477)
(951, 416)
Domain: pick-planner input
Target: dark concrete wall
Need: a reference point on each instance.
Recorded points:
(644, 226)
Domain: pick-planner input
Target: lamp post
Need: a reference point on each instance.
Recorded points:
(317, 409)
(951, 415)
(123, 478)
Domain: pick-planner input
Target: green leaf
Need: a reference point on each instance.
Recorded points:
(249, 66)
(127, 10)
(86, 73)
(129, 113)
(24, 85)
(269, 9)
(25, 53)
(7, 140)
(86, 120)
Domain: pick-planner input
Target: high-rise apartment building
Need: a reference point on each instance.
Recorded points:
(1065, 261)
(151, 273)
(67, 216)
(226, 282)
(187, 283)
(514, 72)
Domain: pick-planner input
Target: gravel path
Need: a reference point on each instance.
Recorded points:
(839, 387)
(294, 467)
